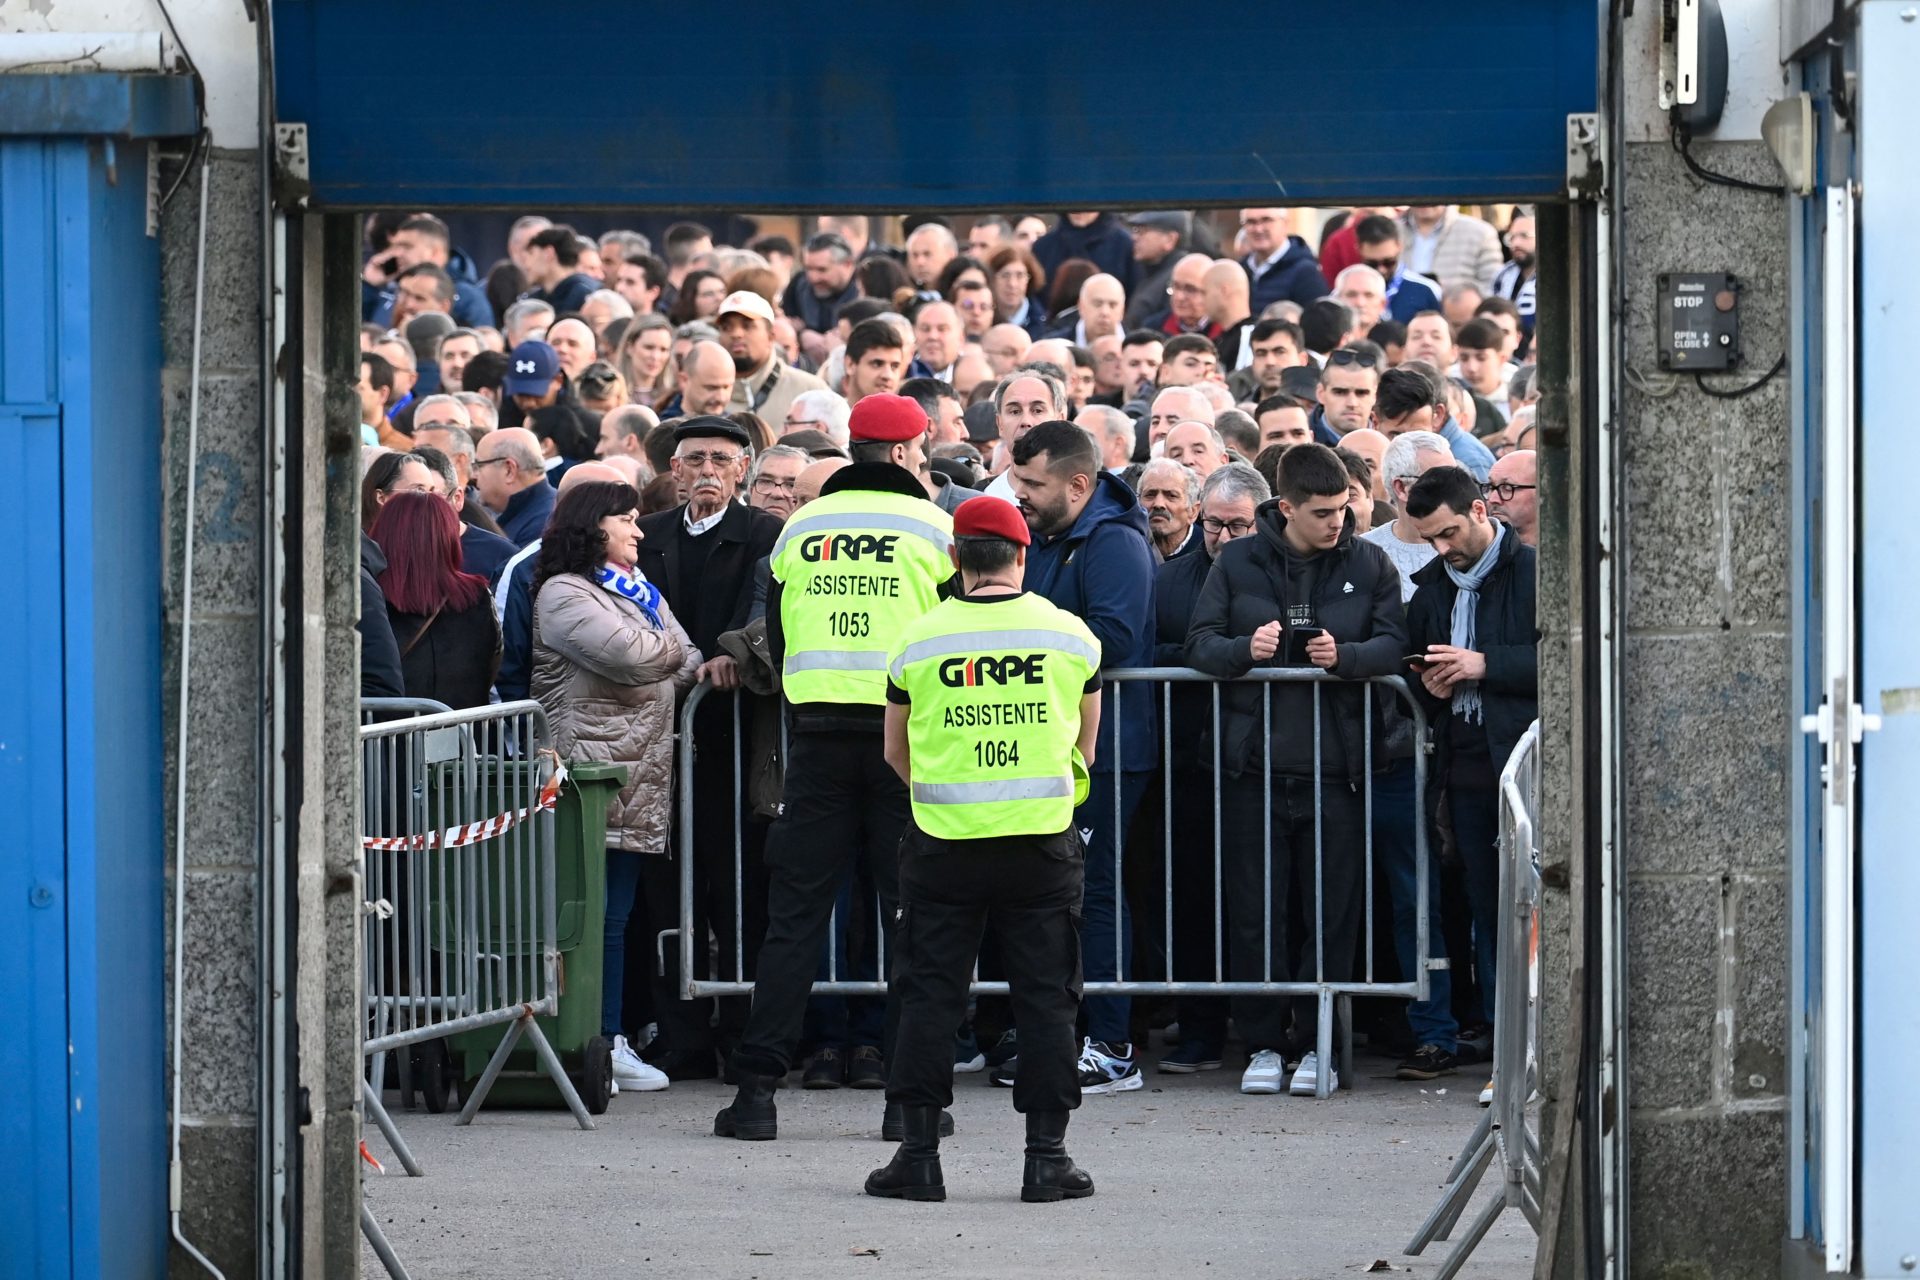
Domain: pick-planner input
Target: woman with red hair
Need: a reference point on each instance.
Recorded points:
(442, 617)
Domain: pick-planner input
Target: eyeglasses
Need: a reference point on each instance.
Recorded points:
(1263, 220)
(698, 460)
(1347, 355)
(1238, 528)
(1505, 490)
(769, 484)
(1185, 288)
(487, 462)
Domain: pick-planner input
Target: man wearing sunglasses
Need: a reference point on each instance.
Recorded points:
(1408, 294)
(1349, 381)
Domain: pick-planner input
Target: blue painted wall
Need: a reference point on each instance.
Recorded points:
(82, 904)
(877, 105)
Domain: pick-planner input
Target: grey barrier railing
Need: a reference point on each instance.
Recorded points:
(458, 887)
(1507, 1133)
(1160, 685)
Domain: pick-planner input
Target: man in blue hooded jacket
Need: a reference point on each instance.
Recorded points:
(1090, 556)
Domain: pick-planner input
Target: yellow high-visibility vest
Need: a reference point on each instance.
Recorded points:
(993, 690)
(855, 567)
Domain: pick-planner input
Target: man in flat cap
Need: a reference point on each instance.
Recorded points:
(701, 555)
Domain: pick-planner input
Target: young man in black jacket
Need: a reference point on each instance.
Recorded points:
(1472, 615)
(1301, 591)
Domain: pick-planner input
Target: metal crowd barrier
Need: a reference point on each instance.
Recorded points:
(1507, 1132)
(1160, 683)
(458, 884)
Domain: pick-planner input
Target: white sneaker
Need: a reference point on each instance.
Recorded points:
(631, 1073)
(1307, 1077)
(1486, 1095)
(1264, 1073)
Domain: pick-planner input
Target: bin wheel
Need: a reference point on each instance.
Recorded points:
(433, 1074)
(595, 1078)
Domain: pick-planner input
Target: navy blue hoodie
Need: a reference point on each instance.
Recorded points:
(1295, 277)
(1101, 571)
(1105, 242)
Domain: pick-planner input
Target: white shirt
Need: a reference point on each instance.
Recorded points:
(1264, 265)
(698, 527)
(1408, 557)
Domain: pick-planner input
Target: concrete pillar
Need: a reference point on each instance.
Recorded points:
(219, 1072)
(1704, 738)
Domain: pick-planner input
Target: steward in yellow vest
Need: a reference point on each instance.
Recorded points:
(993, 710)
(850, 571)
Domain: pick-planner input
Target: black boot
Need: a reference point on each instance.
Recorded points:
(752, 1117)
(914, 1171)
(1051, 1173)
(894, 1129)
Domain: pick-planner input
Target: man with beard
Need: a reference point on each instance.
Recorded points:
(1091, 557)
(764, 383)
(1515, 280)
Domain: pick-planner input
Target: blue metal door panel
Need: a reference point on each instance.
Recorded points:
(33, 970)
(874, 105)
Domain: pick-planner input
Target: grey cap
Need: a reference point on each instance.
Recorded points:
(1172, 220)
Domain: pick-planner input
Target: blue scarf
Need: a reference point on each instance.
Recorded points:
(1466, 602)
(633, 585)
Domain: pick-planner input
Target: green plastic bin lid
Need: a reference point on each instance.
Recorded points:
(597, 771)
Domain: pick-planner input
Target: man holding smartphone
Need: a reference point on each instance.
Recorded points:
(1303, 590)
(1473, 625)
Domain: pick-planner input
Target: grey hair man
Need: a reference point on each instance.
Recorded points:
(481, 412)
(527, 320)
(824, 411)
(1228, 500)
(1197, 447)
(1020, 403)
(1410, 455)
(1175, 405)
(602, 308)
(772, 478)
(1113, 431)
(1170, 495)
(443, 422)
(929, 249)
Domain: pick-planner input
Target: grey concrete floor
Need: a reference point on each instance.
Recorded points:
(1194, 1179)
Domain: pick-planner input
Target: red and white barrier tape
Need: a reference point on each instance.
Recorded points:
(475, 832)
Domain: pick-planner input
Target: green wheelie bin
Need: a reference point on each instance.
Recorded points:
(580, 883)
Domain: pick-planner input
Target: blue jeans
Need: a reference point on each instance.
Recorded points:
(623, 886)
(1105, 925)
(1394, 816)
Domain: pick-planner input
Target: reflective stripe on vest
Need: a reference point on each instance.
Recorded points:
(994, 690)
(988, 792)
(855, 567)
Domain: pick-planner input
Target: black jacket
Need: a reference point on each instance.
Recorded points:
(719, 598)
(1353, 592)
(453, 659)
(1504, 629)
(1176, 590)
(379, 654)
(1105, 242)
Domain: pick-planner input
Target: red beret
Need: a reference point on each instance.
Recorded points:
(887, 419)
(989, 517)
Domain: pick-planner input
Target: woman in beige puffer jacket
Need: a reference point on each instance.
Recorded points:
(610, 662)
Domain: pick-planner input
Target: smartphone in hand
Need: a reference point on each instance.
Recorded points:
(1418, 661)
(1297, 638)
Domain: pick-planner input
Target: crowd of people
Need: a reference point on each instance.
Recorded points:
(1234, 449)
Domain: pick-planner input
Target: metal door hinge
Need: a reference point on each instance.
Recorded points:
(1586, 174)
(1859, 723)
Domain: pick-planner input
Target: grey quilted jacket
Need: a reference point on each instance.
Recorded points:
(610, 682)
